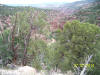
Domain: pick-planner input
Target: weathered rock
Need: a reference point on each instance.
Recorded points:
(11, 66)
(26, 70)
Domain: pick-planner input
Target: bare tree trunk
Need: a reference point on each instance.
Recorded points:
(13, 47)
(85, 66)
(78, 70)
(26, 42)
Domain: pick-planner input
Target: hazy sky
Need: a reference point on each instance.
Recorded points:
(32, 1)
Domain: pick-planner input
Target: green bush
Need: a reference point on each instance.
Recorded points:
(5, 52)
(75, 42)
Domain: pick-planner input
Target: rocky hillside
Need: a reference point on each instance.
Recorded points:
(85, 11)
(90, 13)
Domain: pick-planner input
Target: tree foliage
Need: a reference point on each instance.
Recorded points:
(76, 41)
